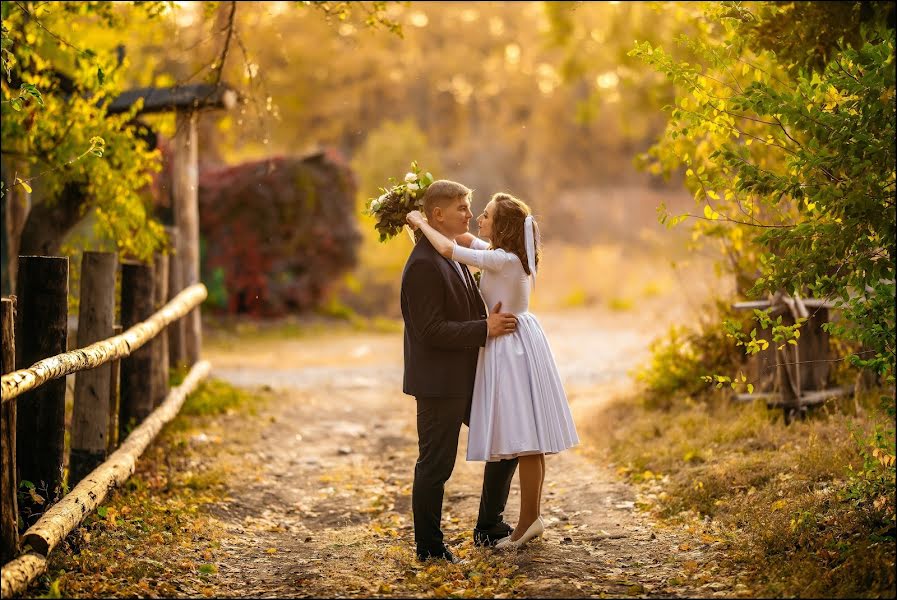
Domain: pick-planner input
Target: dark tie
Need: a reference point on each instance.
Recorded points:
(471, 285)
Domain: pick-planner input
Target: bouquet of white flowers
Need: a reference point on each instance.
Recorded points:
(394, 204)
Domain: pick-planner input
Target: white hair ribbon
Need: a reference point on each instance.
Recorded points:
(529, 238)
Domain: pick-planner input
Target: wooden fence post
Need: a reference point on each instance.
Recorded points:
(160, 343)
(137, 297)
(788, 372)
(177, 331)
(185, 197)
(41, 332)
(90, 416)
(114, 394)
(9, 513)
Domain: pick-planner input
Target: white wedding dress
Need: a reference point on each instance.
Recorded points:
(519, 405)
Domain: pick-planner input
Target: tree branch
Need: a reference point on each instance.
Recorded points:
(230, 33)
(41, 25)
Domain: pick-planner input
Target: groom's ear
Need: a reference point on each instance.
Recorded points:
(437, 214)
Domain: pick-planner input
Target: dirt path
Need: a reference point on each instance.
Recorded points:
(320, 504)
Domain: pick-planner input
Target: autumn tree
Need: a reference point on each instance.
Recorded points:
(791, 157)
(58, 137)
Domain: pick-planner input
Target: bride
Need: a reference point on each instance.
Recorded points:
(519, 406)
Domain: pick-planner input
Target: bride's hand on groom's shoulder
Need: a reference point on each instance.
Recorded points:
(415, 218)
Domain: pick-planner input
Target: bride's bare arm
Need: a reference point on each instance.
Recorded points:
(465, 239)
(442, 244)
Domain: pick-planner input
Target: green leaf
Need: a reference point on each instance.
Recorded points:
(101, 77)
(102, 511)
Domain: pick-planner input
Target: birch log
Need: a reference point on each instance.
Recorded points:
(68, 513)
(92, 356)
(19, 573)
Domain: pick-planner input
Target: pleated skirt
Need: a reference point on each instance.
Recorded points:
(519, 405)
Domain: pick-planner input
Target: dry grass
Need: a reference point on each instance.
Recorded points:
(776, 493)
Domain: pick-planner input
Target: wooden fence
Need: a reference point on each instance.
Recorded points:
(121, 393)
(795, 376)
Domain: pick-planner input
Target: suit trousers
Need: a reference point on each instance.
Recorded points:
(439, 423)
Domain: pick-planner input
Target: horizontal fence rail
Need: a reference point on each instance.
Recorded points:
(68, 513)
(114, 348)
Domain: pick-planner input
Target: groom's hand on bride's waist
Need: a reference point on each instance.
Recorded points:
(499, 323)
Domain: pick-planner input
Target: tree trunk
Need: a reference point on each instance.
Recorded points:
(17, 203)
(49, 221)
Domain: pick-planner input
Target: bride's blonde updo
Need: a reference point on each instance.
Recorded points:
(508, 220)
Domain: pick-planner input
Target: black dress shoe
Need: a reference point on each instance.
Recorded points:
(488, 537)
(437, 553)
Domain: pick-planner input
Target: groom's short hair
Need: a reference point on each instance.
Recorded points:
(442, 191)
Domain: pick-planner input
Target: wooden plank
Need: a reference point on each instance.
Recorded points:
(774, 400)
(820, 396)
(9, 509)
(808, 302)
(755, 396)
(197, 96)
(813, 343)
(819, 303)
(137, 297)
(68, 513)
(90, 413)
(41, 331)
(185, 176)
(120, 346)
(751, 304)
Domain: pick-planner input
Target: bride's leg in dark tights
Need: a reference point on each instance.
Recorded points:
(531, 477)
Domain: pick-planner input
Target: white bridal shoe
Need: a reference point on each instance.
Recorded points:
(534, 531)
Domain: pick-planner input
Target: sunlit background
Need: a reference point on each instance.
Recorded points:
(537, 99)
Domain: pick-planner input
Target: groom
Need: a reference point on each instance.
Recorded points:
(445, 326)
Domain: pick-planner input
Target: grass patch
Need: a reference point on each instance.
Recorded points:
(577, 298)
(152, 531)
(216, 397)
(777, 496)
(229, 329)
(620, 304)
